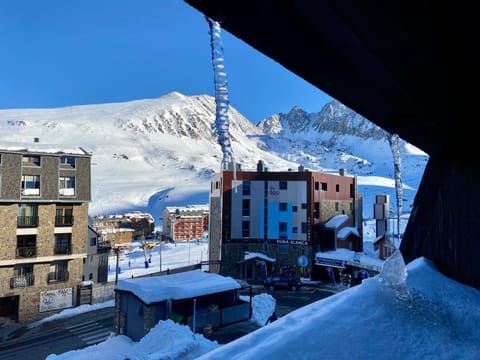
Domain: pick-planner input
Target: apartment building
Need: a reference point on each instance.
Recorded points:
(182, 223)
(265, 222)
(44, 196)
(112, 226)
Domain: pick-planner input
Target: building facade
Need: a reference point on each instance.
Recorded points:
(141, 224)
(44, 196)
(183, 223)
(95, 265)
(280, 216)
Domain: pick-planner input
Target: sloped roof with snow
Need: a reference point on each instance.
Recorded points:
(336, 221)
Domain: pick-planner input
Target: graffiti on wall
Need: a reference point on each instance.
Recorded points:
(56, 299)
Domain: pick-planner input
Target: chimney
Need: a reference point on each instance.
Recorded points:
(342, 172)
(301, 168)
(260, 166)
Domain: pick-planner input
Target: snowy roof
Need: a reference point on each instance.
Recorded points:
(183, 285)
(352, 258)
(343, 233)
(336, 221)
(41, 148)
(253, 255)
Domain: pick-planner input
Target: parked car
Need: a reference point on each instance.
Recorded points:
(275, 282)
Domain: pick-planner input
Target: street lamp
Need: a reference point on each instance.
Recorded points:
(160, 253)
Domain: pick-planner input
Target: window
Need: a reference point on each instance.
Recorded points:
(27, 215)
(316, 210)
(245, 228)
(324, 186)
(336, 206)
(246, 207)
(282, 206)
(93, 241)
(66, 161)
(26, 246)
(282, 230)
(58, 272)
(246, 187)
(66, 186)
(294, 208)
(23, 276)
(31, 185)
(304, 205)
(337, 188)
(317, 185)
(29, 160)
(294, 230)
(304, 227)
(62, 244)
(283, 185)
(64, 215)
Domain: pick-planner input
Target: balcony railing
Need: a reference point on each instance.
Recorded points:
(62, 249)
(57, 276)
(64, 220)
(27, 221)
(22, 281)
(26, 251)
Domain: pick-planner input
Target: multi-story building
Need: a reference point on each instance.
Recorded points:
(95, 265)
(141, 223)
(263, 222)
(185, 223)
(44, 196)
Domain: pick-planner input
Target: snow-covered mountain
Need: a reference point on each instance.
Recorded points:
(152, 153)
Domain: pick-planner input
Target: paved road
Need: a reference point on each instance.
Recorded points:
(58, 336)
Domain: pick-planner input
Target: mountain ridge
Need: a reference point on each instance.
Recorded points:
(151, 153)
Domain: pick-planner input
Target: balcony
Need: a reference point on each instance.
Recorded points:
(27, 221)
(31, 192)
(58, 276)
(26, 251)
(22, 281)
(62, 249)
(64, 220)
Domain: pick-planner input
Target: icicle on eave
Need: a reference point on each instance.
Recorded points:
(221, 125)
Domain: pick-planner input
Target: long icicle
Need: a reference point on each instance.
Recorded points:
(221, 124)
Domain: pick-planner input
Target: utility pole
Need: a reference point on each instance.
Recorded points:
(116, 266)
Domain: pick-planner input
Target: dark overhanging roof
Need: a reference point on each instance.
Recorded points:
(408, 66)
(400, 64)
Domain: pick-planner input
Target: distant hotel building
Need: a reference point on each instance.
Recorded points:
(181, 223)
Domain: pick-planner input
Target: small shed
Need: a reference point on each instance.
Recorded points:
(196, 298)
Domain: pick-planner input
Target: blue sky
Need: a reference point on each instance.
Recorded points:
(61, 53)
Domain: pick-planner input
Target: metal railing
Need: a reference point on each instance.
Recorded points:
(63, 249)
(27, 221)
(26, 251)
(22, 281)
(57, 276)
(64, 220)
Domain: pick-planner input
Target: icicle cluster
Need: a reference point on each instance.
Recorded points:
(394, 141)
(221, 124)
